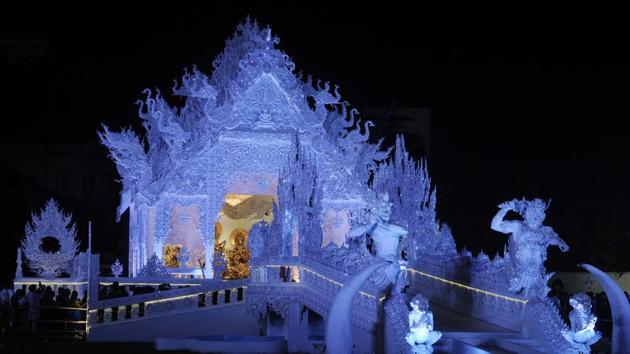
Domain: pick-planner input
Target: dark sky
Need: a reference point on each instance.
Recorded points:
(522, 104)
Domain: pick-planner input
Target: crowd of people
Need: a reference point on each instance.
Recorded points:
(38, 308)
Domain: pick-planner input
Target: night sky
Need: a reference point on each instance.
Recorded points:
(522, 105)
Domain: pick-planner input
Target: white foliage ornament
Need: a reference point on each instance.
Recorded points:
(51, 222)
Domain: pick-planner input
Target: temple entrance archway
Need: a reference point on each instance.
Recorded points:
(240, 212)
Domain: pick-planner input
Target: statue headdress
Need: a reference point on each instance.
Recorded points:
(583, 299)
(524, 204)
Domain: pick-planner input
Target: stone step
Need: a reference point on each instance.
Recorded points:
(523, 345)
(224, 344)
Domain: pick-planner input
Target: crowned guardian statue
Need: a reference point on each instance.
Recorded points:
(527, 245)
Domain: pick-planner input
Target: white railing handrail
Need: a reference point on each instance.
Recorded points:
(152, 281)
(167, 294)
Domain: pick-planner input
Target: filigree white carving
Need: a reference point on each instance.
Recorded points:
(50, 222)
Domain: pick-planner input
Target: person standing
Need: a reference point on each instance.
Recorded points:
(34, 299)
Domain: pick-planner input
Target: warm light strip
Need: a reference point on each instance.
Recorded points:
(49, 282)
(172, 284)
(485, 292)
(193, 295)
(171, 299)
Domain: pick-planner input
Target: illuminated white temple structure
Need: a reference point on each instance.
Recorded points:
(236, 132)
(264, 190)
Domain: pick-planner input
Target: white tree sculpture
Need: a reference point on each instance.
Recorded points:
(154, 268)
(51, 222)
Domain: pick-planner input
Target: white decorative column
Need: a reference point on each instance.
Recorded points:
(297, 329)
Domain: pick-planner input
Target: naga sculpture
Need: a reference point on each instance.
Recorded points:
(619, 307)
(527, 245)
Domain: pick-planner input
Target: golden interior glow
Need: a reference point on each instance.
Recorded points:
(236, 199)
(170, 255)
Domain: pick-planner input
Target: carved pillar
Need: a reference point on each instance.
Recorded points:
(93, 281)
(206, 221)
(141, 226)
(132, 265)
(209, 210)
(163, 213)
(297, 328)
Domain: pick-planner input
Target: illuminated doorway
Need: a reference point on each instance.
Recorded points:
(240, 212)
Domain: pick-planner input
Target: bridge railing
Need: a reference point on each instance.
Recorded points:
(447, 288)
(166, 302)
(278, 281)
(193, 295)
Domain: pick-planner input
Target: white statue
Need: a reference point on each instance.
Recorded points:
(582, 334)
(528, 244)
(385, 236)
(421, 336)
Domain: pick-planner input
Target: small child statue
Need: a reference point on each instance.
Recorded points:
(421, 336)
(582, 334)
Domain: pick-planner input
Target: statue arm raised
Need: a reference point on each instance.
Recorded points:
(498, 224)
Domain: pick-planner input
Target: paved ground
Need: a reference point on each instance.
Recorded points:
(447, 320)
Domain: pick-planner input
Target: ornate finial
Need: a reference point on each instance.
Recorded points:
(117, 268)
(268, 38)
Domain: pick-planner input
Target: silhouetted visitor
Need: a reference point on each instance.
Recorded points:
(34, 297)
(116, 291)
(5, 310)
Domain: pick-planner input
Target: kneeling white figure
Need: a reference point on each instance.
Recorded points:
(421, 336)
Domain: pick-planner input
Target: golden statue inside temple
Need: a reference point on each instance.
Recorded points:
(237, 258)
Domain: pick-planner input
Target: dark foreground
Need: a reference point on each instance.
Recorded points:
(79, 347)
